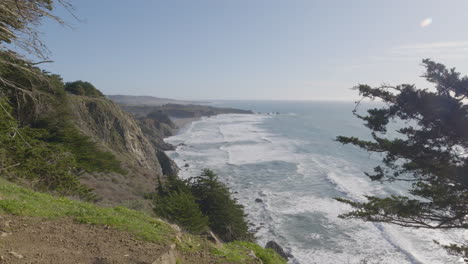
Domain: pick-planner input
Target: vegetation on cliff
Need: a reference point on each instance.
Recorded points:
(26, 154)
(39, 131)
(200, 203)
(82, 88)
(226, 216)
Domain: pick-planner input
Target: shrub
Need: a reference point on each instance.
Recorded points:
(24, 155)
(83, 89)
(87, 153)
(182, 209)
(226, 216)
(202, 196)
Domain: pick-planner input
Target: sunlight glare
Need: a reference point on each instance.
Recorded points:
(426, 22)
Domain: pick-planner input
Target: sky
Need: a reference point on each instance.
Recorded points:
(254, 49)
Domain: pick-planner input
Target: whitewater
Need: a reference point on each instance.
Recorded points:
(286, 170)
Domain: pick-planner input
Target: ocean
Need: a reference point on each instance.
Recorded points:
(284, 166)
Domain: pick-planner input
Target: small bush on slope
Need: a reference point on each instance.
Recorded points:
(190, 202)
(182, 209)
(226, 216)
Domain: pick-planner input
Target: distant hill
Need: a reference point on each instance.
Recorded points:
(147, 100)
(182, 111)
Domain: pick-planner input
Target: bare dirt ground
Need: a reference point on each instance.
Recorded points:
(28, 240)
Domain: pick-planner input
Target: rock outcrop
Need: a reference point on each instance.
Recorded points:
(278, 249)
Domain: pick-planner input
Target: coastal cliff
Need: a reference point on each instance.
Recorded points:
(119, 133)
(79, 172)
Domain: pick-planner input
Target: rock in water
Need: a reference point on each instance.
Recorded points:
(278, 249)
(258, 200)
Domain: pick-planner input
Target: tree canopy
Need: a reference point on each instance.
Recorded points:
(19, 20)
(430, 151)
(226, 216)
(200, 203)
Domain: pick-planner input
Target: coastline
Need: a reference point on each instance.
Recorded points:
(183, 123)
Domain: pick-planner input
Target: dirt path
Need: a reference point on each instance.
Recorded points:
(28, 240)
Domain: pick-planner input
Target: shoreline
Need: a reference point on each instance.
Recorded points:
(182, 124)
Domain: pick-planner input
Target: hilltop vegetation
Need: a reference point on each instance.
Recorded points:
(82, 88)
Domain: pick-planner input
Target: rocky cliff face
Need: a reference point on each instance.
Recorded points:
(118, 132)
(135, 139)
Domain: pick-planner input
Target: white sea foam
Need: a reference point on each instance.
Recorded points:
(241, 140)
(255, 153)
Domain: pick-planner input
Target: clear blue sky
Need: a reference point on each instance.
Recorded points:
(255, 49)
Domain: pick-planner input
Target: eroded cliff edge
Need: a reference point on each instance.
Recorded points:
(135, 135)
(116, 131)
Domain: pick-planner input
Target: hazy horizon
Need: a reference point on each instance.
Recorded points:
(254, 50)
(240, 99)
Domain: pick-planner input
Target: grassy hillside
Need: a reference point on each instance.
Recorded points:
(20, 201)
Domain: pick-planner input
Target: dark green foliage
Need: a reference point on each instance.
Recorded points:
(83, 89)
(176, 203)
(430, 151)
(18, 18)
(44, 104)
(227, 217)
(181, 208)
(87, 154)
(39, 142)
(24, 155)
(50, 149)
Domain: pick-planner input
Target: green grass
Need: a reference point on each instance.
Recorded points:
(234, 253)
(267, 255)
(238, 251)
(21, 201)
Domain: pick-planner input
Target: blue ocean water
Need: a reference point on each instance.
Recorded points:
(291, 162)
